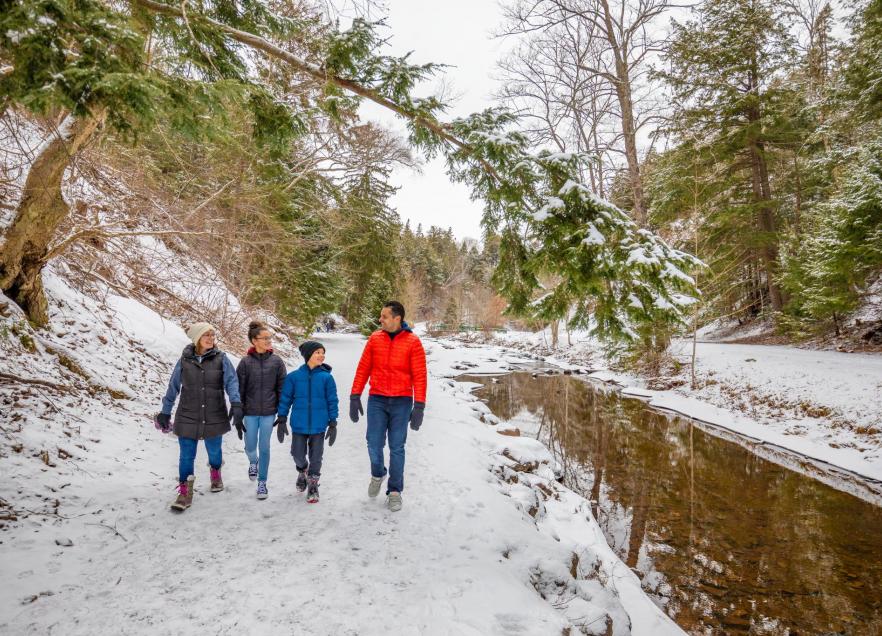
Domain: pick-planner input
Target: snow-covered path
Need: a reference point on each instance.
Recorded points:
(460, 558)
(233, 564)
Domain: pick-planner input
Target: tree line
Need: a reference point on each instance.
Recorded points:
(763, 157)
(761, 132)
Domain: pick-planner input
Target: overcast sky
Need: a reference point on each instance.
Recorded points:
(458, 33)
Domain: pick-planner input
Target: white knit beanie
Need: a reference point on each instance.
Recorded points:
(197, 330)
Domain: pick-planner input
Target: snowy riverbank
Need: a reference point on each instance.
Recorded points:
(823, 405)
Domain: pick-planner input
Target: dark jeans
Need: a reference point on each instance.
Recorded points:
(388, 416)
(188, 454)
(313, 445)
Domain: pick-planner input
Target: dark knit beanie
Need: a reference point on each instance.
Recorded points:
(310, 347)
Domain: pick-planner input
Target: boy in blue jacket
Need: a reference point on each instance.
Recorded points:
(311, 394)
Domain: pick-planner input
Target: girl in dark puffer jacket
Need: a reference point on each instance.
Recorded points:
(261, 375)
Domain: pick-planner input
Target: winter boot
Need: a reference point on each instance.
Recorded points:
(185, 495)
(394, 501)
(262, 492)
(301, 480)
(252, 471)
(374, 486)
(312, 495)
(217, 484)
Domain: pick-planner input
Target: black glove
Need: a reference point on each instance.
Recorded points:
(163, 422)
(355, 407)
(281, 428)
(332, 432)
(237, 415)
(416, 415)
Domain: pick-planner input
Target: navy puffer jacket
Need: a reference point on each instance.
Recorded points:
(311, 396)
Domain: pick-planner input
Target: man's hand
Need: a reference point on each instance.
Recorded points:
(355, 407)
(416, 415)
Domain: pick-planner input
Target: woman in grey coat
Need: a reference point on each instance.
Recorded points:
(201, 377)
(261, 375)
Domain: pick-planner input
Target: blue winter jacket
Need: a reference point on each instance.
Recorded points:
(313, 395)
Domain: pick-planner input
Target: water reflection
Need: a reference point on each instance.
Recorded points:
(724, 541)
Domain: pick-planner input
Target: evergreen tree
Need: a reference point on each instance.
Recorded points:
(368, 237)
(724, 69)
(863, 72)
(376, 294)
(829, 269)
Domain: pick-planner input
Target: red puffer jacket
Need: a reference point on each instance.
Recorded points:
(396, 366)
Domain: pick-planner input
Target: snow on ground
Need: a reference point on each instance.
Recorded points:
(824, 405)
(488, 541)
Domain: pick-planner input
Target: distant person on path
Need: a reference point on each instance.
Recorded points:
(261, 375)
(311, 395)
(201, 376)
(395, 362)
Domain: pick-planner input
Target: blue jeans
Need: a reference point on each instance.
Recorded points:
(388, 416)
(188, 454)
(259, 426)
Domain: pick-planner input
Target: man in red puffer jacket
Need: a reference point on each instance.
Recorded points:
(394, 361)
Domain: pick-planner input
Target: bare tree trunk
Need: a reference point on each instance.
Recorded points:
(598, 154)
(626, 104)
(797, 204)
(762, 193)
(40, 212)
(629, 134)
(766, 223)
(695, 247)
